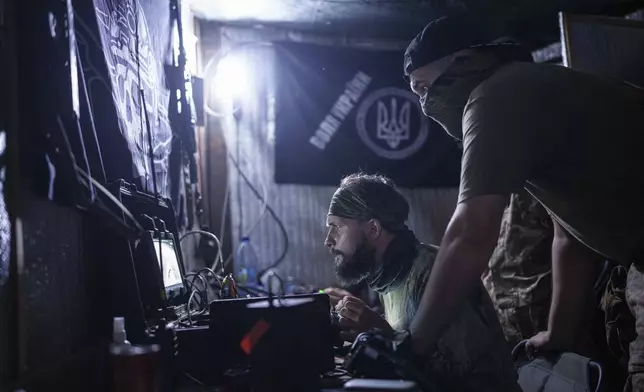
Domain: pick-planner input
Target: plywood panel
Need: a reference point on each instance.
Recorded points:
(606, 46)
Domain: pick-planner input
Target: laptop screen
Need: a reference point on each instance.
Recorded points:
(167, 256)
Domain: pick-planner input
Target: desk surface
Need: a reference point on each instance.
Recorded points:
(327, 385)
(331, 382)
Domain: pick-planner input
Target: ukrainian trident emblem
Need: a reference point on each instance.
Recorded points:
(390, 122)
(392, 125)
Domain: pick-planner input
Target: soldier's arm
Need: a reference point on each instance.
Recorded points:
(468, 243)
(573, 274)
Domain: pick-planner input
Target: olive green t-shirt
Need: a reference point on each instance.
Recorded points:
(575, 141)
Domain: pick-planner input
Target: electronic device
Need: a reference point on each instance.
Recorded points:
(277, 338)
(160, 273)
(148, 269)
(379, 355)
(287, 334)
(168, 260)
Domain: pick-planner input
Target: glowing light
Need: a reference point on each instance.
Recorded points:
(247, 9)
(232, 78)
(270, 10)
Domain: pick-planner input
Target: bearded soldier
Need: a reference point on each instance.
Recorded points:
(371, 242)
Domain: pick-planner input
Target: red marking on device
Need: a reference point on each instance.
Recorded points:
(252, 337)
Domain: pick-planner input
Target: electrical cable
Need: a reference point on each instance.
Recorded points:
(236, 159)
(253, 226)
(262, 211)
(210, 235)
(240, 209)
(224, 213)
(274, 275)
(193, 286)
(270, 210)
(206, 283)
(205, 280)
(217, 277)
(192, 294)
(90, 112)
(196, 275)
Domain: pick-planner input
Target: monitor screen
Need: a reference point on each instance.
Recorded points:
(167, 255)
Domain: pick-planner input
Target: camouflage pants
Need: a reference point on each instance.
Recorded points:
(519, 274)
(635, 299)
(524, 321)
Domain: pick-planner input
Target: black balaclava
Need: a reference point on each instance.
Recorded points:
(446, 98)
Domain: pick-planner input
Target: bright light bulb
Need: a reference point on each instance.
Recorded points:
(232, 78)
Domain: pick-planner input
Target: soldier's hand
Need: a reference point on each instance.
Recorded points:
(336, 294)
(356, 317)
(541, 342)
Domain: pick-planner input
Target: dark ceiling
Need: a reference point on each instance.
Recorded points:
(534, 21)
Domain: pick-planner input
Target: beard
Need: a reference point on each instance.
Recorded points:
(352, 269)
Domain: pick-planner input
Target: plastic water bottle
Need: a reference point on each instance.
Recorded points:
(246, 264)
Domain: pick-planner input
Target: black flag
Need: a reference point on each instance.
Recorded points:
(341, 110)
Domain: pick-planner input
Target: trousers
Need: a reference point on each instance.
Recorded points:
(635, 300)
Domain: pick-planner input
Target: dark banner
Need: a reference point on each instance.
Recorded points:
(341, 110)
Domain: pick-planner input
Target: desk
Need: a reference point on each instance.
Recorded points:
(331, 382)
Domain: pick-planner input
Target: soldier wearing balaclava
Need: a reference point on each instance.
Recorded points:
(371, 243)
(572, 140)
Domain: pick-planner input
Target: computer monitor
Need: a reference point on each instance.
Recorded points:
(166, 253)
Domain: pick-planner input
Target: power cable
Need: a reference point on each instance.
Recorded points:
(272, 213)
(220, 256)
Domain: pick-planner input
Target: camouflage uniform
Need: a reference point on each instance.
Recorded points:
(635, 299)
(471, 354)
(519, 275)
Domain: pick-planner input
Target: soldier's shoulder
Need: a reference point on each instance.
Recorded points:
(514, 78)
